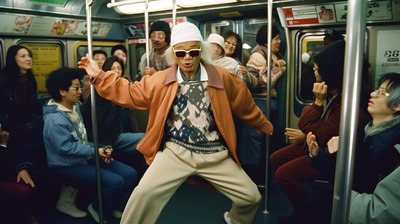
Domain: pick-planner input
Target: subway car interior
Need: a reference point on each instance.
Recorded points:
(56, 32)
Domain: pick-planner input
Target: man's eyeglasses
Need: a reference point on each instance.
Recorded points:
(379, 92)
(158, 36)
(182, 53)
(76, 88)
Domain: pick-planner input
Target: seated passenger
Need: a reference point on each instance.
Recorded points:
(381, 206)
(71, 154)
(108, 121)
(376, 152)
(99, 57)
(217, 54)
(290, 163)
(191, 129)
(20, 115)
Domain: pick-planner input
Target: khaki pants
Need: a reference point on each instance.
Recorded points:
(172, 166)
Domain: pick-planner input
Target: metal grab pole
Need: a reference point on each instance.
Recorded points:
(267, 145)
(352, 74)
(173, 12)
(146, 24)
(89, 3)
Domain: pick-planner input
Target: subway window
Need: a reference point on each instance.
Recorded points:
(310, 45)
(219, 27)
(250, 28)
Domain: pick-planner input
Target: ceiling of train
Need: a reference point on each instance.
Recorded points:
(100, 11)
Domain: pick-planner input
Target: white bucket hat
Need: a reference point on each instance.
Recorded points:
(185, 31)
(216, 39)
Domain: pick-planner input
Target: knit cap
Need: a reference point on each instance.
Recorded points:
(183, 32)
(217, 39)
(160, 25)
(330, 63)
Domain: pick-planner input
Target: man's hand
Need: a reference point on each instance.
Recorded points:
(105, 154)
(295, 134)
(91, 67)
(149, 71)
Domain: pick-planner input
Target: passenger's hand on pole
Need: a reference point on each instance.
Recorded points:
(333, 144)
(320, 90)
(242, 70)
(295, 134)
(24, 176)
(91, 67)
(149, 71)
(312, 145)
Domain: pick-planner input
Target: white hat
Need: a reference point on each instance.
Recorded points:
(216, 39)
(183, 32)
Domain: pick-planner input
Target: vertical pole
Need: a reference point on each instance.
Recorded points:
(173, 12)
(146, 24)
(352, 74)
(89, 3)
(267, 139)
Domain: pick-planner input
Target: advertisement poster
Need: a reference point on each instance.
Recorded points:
(301, 15)
(41, 26)
(376, 11)
(379, 10)
(98, 29)
(15, 24)
(341, 12)
(326, 13)
(388, 52)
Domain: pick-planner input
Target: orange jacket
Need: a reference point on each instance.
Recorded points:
(228, 94)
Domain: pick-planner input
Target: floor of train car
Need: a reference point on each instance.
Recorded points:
(195, 205)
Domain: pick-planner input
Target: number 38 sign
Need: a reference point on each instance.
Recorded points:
(387, 53)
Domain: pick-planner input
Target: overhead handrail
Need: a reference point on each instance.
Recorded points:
(352, 74)
(267, 145)
(89, 3)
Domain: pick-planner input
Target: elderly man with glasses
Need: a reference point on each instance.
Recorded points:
(190, 130)
(160, 36)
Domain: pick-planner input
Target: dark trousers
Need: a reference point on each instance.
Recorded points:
(292, 168)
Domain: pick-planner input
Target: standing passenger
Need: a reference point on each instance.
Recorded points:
(190, 130)
(99, 57)
(70, 153)
(160, 35)
(251, 142)
(121, 52)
